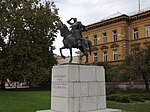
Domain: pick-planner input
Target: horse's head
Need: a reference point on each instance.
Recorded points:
(64, 31)
(60, 24)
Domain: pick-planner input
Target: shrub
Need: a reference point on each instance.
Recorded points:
(118, 98)
(122, 99)
(125, 99)
(146, 96)
(136, 98)
(114, 97)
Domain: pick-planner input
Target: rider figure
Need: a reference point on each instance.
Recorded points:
(76, 27)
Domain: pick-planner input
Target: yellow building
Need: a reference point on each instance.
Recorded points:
(112, 39)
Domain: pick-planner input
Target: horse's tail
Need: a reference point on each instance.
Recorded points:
(90, 46)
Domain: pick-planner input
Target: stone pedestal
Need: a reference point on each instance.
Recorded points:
(78, 88)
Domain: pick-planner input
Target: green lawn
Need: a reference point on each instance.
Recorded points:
(24, 101)
(30, 101)
(134, 106)
(130, 107)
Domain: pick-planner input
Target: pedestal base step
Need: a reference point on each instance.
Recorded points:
(43, 111)
(105, 110)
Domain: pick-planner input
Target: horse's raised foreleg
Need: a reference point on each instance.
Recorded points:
(61, 52)
(70, 55)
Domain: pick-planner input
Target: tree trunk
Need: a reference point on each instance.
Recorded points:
(146, 82)
(3, 85)
(146, 85)
(16, 85)
(29, 83)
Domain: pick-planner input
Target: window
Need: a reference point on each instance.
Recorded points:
(95, 57)
(115, 55)
(95, 39)
(104, 56)
(114, 35)
(104, 37)
(135, 33)
(148, 31)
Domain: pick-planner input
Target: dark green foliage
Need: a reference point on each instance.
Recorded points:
(122, 99)
(136, 98)
(30, 29)
(127, 97)
(134, 68)
(113, 98)
(137, 66)
(111, 72)
(145, 96)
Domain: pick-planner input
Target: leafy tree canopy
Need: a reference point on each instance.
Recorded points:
(137, 65)
(29, 27)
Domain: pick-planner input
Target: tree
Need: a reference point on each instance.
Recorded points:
(137, 65)
(111, 72)
(2, 61)
(30, 29)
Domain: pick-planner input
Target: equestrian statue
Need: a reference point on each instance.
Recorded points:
(73, 38)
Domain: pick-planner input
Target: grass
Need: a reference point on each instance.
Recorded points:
(24, 101)
(32, 100)
(132, 107)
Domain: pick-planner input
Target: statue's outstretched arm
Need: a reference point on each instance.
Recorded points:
(69, 21)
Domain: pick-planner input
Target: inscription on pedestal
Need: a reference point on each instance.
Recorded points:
(59, 85)
(59, 77)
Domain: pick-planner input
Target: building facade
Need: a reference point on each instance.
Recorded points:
(114, 38)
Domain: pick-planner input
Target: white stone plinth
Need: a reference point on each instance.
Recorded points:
(78, 88)
(104, 110)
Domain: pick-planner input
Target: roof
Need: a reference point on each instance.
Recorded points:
(119, 14)
(112, 16)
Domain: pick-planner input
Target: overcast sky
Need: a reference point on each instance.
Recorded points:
(91, 11)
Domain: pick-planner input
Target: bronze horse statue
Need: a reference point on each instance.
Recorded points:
(70, 41)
